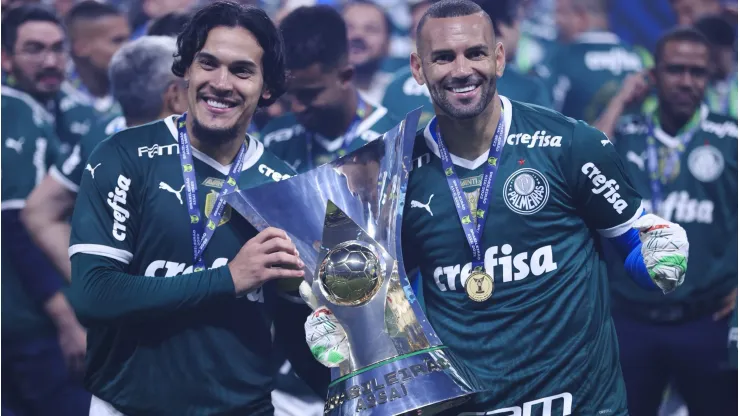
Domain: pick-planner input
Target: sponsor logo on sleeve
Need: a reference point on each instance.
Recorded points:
(117, 201)
(607, 188)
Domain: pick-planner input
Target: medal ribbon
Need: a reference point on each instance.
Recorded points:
(347, 138)
(474, 234)
(200, 241)
(670, 163)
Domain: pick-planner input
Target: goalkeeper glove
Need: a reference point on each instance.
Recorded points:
(665, 250)
(325, 336)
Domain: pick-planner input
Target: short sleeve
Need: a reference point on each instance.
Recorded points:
(600, 186)
(105, 220)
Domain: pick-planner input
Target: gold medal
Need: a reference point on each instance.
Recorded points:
(479, 286)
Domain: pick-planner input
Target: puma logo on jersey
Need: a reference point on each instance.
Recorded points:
(272, 173)
(605, 142)
(417, 204)
(681, 208)
(638, 160)
(14, 144)
(605, 187)
(169, 189)
(159, 150)
(117, 201)
(507, 268)
(91, 169)
(615, 60)
(540, 138)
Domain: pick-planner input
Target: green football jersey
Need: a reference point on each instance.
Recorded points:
(29, 145)
(71, 113)
(701, 196)
(405, 94)
(586, 74)
(545, 336)
(208, 352)
(287, 139)
(70, 165)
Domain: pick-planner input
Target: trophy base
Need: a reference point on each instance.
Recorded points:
(425, 382)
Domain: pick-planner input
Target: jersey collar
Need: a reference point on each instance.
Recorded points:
(255, 149)
(480, 160)
(333, 145)
(672, 141)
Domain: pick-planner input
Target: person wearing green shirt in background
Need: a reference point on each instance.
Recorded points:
(43, 350)
(405, 94)
(142, 82)
(586, 72)
(329, 116)
(35, 59)
(683, 159)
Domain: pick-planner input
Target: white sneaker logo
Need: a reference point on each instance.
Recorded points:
(417, 204)
(92, 169)
(14, 144)
(168, 188)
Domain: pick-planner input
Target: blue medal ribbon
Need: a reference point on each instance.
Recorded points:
(659, 178)
(347, 138)
(473, 233)
(202, 236)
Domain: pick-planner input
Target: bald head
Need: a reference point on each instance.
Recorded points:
(450, 8)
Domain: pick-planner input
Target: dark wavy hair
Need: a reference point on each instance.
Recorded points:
(229, 14)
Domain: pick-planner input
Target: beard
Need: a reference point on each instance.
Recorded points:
(439, 96)
(214, 136)
(29, 85)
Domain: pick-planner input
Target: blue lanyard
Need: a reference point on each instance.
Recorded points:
(670, 163)
(347, 138)
(191, 193)
(474, 234)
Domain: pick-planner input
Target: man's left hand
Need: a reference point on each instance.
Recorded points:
(665, 249)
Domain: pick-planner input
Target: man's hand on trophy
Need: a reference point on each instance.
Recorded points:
(324, 335)
(269, 255)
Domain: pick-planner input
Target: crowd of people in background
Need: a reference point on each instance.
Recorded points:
(76, 72)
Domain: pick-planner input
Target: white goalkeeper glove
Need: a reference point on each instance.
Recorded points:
(325, 336)
(665, 249)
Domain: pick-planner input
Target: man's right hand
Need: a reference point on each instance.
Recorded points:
(73, 342)
(269, 255)
(634, 88)
(325, 336)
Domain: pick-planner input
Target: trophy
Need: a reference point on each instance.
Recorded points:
(345, 219)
